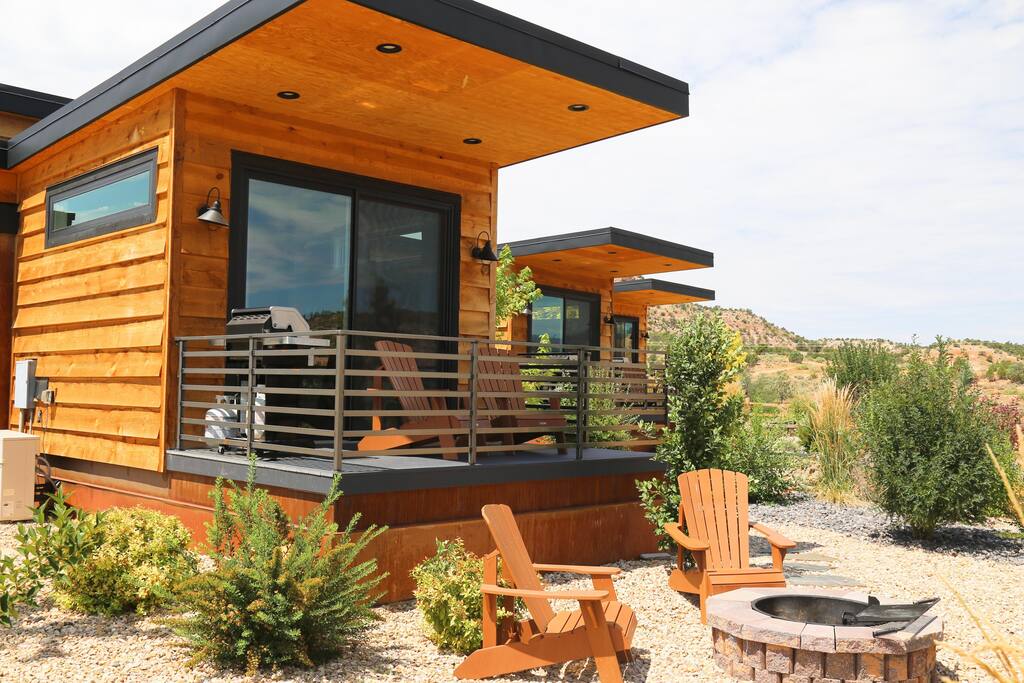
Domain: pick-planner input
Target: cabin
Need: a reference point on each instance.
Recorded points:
(272, 237)
(595, 289)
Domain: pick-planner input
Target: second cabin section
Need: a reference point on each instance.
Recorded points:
(595, 289)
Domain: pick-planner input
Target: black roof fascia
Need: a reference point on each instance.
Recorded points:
(31, 103)
(653, 284)
(464, 20)
(612, 236)
(226, 24)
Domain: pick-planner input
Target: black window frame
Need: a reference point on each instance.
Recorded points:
(93, 180)
(246, 166)
(616, 319)
(590, 297)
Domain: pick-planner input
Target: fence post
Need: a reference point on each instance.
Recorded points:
(341, 344)
(474, 354)
(250, 418)
(581, 399)
(181, 381)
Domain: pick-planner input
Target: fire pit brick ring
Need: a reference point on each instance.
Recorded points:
(751, 645)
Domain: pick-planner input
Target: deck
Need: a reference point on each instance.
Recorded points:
(387, 473)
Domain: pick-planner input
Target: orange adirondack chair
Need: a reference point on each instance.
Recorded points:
(602, 628)
(413, 400)
(714, 514)
(510, 384)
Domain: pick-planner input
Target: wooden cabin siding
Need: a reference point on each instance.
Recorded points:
(12, 124)
(92, 312)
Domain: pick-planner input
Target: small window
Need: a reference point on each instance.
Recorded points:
(115, 197)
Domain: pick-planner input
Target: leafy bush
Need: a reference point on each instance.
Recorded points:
(831, 435)
(795, 357)
(773, 388)
(449, 599)
(703, 357)
(861, 366)
(60, 539)
(926, 434)
(138, 558)
(278, 595)
(758, 450)
(514, 289)
(1008, 370)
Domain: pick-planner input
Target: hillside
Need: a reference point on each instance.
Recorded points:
(774, 371)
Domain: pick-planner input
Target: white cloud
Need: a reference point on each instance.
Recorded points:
(857, 167)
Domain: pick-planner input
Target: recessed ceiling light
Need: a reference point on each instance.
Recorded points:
(556, 260)
(289, 95)
(613, 252)
(578, 107)
(615, 271)
(389, 48)
(472, 141)
(668, 264)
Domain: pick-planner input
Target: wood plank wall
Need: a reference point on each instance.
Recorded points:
(92, 312)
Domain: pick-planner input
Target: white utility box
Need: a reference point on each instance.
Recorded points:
(18, 453)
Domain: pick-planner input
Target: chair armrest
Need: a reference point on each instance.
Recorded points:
(491, 589)
(774, 537)
(692, 544)
(577, 569)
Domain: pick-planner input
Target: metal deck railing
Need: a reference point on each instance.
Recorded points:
(343, 394)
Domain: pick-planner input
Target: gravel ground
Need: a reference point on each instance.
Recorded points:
(998, 541)
(670, 644)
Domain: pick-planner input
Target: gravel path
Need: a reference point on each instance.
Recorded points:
(999, 541)
(670, 644)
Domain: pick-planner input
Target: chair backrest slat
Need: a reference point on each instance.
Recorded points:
(516, 560)
(491, 363)
(396, 364)
(714, 509)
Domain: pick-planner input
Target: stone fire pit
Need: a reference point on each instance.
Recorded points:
(753, 646)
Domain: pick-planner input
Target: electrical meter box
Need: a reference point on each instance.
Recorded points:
(18, 453)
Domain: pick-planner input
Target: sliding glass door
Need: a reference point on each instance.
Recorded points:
(348, 252)
(566, 317)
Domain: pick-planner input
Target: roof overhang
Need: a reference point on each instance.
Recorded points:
(652, 292)
(466, 71)
(608, 252)
(29, 103)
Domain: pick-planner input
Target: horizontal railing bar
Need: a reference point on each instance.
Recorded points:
(457, 450)
(620, 411)
(525, 430)
(226, 406)
(610, 444)
(288, 391)
(268, 353)
(453, 431)
(517, 447)
(625, 426)
(641, 397)
(214, 371)
(407, 413)
(313, 372)
(367, 353)
(408, 373)
(302, 431)
(213, 423)
(539, 412)
(393, 393)
(210, 387)
(216, 354)
(530, 378)
(526, 394)
(288, 410)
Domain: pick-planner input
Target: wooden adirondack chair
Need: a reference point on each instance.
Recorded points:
(601, 628)
(395, 367)
(714, 515)
(491, 362)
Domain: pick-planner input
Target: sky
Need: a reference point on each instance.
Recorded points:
(856, 167)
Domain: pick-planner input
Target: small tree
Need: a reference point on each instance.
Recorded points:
(925, 432)
(860, 366)
(514, 291)
(703, 357)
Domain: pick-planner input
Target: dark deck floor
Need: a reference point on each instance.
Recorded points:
(378, 474)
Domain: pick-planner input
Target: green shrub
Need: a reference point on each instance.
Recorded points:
(278, 595)
(449, 599)
(139, 556)
(703, 357)
(758, 450)
(60, 539)
(795, 357)
(773, 388)
(925, 433)
(861, 366)
(1008, 370)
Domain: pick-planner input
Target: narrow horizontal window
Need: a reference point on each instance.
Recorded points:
(115, 197)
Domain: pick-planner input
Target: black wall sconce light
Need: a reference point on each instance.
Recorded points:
(212, 212)
(484, 252)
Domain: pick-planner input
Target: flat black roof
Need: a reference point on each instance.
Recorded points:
(464, 20)
(652, 284)
(612, 236)
(31, 103)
